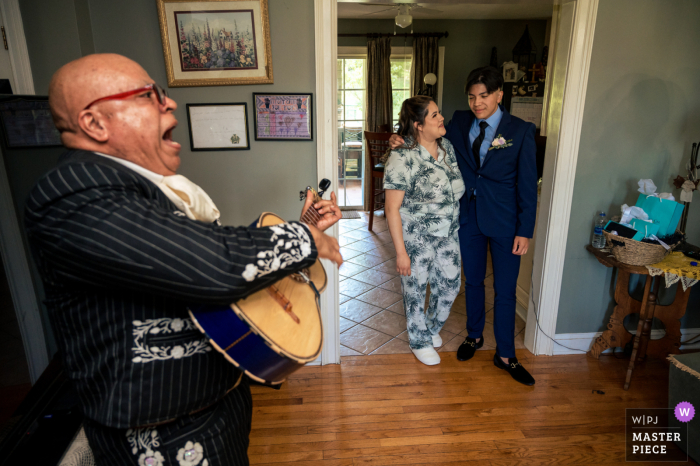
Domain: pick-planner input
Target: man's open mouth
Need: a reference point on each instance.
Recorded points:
(168, 136)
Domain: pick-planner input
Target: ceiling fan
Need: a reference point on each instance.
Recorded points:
(403, 16)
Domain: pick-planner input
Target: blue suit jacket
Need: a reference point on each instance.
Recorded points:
(506, 183)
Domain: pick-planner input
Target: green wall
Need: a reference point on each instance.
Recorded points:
(642, 114)
(242, 183)
(468, 46)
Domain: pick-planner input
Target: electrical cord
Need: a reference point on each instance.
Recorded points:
(537, 320)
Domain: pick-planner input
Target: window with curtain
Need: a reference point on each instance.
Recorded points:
(400, 83)
(352, 86)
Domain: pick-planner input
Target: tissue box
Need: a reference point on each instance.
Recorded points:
(662, 211)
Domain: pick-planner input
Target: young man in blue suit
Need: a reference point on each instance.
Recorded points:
(496, 155)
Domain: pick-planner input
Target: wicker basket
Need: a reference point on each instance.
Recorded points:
(634, 252)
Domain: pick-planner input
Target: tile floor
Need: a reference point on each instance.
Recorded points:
(350, 193)
(372, 318)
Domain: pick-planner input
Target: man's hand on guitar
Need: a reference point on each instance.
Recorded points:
(329, 210)
(327, 246)
(395, 141)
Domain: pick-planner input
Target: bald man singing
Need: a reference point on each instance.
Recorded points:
(123, 244)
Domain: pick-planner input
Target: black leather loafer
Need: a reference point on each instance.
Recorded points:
(468, 348)
(515, 369)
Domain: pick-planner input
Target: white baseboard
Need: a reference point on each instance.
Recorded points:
(576, 343)
(315, 362)
(522, 297)
(521, 310)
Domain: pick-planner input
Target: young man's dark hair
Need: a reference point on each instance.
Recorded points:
(486, 75)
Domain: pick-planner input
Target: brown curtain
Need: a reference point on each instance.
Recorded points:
(378, 96)
(425, 60)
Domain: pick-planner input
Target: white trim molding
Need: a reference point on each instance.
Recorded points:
(553, 225)
(20, 282)
(576, 343)
(326, 24)
(17, 46)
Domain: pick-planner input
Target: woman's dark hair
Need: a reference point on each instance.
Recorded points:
(486, 75)
(415, 110)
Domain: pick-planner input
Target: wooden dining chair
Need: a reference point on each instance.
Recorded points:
(376, 145)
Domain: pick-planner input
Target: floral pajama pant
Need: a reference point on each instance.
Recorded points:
(434, 259)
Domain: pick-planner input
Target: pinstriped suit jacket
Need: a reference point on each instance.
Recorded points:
(120, 264)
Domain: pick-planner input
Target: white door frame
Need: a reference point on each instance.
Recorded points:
(562, 153)
(24, 297)
(556, 202)
(17, 46)
(326, 21)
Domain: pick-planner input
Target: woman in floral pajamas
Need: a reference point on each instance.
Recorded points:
(423, 187)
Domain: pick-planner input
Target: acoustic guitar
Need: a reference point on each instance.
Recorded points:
(275, 331)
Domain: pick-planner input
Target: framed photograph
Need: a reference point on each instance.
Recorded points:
(26, 122)
(218, 126)
(215, 42)
(510, 72)
(283, 117)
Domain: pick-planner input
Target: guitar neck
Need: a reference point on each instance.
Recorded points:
(311, 216)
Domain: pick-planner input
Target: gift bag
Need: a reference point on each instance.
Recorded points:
(665, 212)
(644, 229)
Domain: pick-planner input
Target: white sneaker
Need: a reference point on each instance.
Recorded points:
(427, 356)
(437, 341)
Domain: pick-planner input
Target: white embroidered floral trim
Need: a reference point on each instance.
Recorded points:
(151, 458)
(142, 439)
(191, 455)
(145, 353)
(293, 245)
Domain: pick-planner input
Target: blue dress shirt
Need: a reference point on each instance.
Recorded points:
(490, 132)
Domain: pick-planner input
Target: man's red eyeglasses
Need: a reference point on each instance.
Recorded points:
(159, 91)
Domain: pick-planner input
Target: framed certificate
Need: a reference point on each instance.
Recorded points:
(218, 126)
(283, 117)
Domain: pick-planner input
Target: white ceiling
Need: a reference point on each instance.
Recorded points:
(450, 9)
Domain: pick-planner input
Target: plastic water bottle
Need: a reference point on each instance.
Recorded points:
(598, 238)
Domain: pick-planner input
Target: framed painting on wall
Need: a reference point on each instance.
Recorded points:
(218, 126)
(215, 42)
(283, 117)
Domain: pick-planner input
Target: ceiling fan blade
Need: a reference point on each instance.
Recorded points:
(379, 11)
(425, 10)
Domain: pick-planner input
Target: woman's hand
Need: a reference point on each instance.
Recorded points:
(403, 264)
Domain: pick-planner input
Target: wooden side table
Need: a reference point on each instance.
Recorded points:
(617, 335)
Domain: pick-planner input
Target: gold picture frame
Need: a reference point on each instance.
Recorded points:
(215, 42)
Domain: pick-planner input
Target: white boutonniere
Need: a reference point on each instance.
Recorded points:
(499, 142)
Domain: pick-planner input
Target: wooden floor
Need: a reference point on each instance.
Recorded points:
(392, 410)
